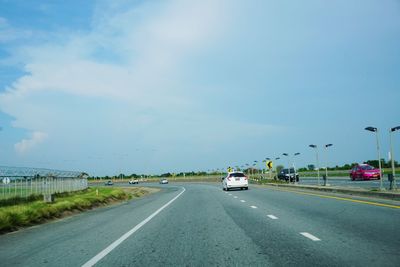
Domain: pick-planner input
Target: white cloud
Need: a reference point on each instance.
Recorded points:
(25, 145)
(123, 79)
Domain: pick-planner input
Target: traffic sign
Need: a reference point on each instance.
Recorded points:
(6, 180)
(269, 164)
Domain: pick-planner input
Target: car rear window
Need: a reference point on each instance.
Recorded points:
(285, 171)
(236, 175)
(367, 167)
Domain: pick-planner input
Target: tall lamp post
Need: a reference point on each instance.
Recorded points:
(276, 166)
(287, 155)
(262, 168)
(375, 130)
(326, 158)
(392, 156)
(294, 166)
(316, 153)
(255, 166)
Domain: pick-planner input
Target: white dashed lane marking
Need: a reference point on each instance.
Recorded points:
(272, 217)
(310, 236)
(242, 200)
(235, 197)
(253, 207)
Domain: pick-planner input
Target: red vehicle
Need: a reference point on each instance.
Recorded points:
(364, 172)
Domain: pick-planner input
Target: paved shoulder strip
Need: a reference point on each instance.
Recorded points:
(117, 242)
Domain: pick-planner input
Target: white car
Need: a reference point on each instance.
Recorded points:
(235, 180)
(134, 181)
(164, 181)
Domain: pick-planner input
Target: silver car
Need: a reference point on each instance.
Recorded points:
(164, 181)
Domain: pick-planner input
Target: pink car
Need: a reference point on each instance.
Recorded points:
(364, 172)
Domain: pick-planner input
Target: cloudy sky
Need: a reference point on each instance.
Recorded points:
(157, 86)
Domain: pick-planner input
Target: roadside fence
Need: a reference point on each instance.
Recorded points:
(25, 186)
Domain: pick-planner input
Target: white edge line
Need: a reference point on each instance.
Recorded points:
(273, 217)
(310, 236)
(117, 242)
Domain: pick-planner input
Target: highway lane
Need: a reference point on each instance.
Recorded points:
(346, 182)
(206, 226)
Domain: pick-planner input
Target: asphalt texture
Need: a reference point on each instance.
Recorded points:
(346, 182)
(206, 226)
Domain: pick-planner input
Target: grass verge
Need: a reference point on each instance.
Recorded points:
(14, 217)
(268, 181)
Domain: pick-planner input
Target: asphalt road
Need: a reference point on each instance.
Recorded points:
(205, 226)
(346, 182)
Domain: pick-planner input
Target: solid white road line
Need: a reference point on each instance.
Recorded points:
(253, 207)
(242, 200)
(310, 236)
(272, 217)
(117, 242)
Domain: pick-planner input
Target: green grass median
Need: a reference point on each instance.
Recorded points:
(13, 217)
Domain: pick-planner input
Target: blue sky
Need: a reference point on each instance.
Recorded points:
(157, 86)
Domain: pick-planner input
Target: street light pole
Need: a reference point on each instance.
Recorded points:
(316, 151)
(374, 129)
(392, 156)
(287, 155)
(255, 166)
(294, 166)
(326, 158)
(276, 167)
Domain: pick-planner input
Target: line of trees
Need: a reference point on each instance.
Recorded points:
(310, 167)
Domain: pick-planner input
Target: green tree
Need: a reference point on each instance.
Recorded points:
(279, 168)
(311, 167)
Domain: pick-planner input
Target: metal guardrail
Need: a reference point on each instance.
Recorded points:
(25, 186)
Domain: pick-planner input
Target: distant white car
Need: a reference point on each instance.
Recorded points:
(164, 181)
(235, 180)
(134, 181)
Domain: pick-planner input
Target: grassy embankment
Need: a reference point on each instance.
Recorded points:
(34, 211)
